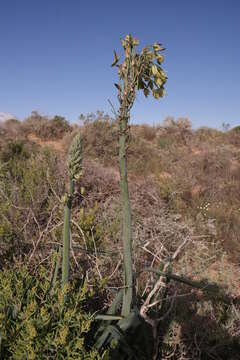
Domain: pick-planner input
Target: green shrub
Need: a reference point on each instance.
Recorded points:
(15, 149)
(93, 230)
(163, 142)
(35, 324)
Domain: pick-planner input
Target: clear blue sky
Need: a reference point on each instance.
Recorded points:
(55, 56)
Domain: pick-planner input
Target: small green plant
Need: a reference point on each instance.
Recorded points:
(163, 142)
(37, 324)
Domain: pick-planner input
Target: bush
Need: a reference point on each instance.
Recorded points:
(13, 128)
(145, 131)
(100, 141)
(163, 142)
(36, 323)
(236, 129)
(46, 128)
(14, 149)
(30, 184)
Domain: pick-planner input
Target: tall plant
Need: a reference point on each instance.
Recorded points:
(138, 71)
(74, 164)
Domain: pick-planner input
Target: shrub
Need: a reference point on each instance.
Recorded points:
(100, 140)
(236, 129)
(14, 149)
(29, 187)
(205, 133)
(13, 128)
(35, 324)
(147, 132)
(46, 128)
(163, 142)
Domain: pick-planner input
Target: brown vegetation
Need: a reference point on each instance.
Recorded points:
(184, 183)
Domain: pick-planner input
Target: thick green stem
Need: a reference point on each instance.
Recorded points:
(126, 220)
(56, 269)
(66, 236)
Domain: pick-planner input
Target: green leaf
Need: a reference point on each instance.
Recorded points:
(154, 70)
(141, 84)
(162, 74)
(146, 92)
(116, 59)
(118, 86)
(107, 317)
(158, 81)
(158, 47)
(150, 84)
(157, 93)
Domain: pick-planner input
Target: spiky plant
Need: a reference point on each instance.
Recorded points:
(74, 164)
(138, 71)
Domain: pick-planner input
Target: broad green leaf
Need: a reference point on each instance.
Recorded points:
(154, 70)
(162, 74)
(155, 94)
(158, 81)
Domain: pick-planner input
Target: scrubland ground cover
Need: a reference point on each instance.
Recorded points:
(185, 196)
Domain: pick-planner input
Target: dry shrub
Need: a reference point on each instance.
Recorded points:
(204, 326)
(208, 135)
(13, 128)
(174, 133)
(100, 141)
(100, 183)
(145, 131)
(46, 128)
(233, 136)
(143, 157)
(206, 175)
(29, 205)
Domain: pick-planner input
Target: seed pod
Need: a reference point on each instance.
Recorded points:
(75, 158)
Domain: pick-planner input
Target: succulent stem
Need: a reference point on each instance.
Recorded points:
(75, 170)
(126, 220)
(66, 236)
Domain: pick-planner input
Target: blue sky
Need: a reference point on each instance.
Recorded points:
(55, 57)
